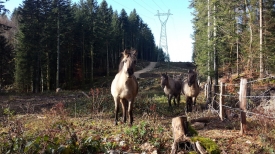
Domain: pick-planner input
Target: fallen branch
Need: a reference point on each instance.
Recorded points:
(85, 94)
(200, 148)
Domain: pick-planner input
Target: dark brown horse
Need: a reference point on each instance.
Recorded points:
(191, 89)
(124, 88)
(171, 88)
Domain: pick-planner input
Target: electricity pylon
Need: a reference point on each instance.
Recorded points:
(163, 36)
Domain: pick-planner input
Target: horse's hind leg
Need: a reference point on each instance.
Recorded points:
(174, 100)
(116, 109)
(124, 104)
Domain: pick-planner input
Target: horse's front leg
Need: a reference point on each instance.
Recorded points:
(116, 109)
(124, 109)
(178, 99)
(169, 99)
(189, 104)
(174, 100)
(130, 112)
(194, 100)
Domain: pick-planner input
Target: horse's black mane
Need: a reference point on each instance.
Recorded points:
(192, 76)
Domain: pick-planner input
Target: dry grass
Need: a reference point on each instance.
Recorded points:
(72, 121)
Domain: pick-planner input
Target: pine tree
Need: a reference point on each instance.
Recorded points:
(104, 16)
(6, 62)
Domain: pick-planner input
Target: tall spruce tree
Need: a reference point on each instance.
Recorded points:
(104, 22)
(6, 62)
(29, 49)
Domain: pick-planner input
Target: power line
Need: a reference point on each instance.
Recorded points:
(121, 4)
(130, 10)
(164, 4)
(158, 5)
(149, 6)
(142, 6)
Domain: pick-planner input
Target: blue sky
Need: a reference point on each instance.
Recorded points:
(178, 27)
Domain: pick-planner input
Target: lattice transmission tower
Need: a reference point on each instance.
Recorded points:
(163, 36)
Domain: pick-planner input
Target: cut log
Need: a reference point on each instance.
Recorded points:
(202, 119)
(198, 125)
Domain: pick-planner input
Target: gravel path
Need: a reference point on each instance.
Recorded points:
(146, 69)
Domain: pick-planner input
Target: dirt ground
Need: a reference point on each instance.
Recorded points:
(225, 133)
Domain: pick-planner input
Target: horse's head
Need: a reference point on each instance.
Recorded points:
(128, 62)
(164, 80)
(191, 77)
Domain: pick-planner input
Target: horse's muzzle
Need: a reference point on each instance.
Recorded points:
(130, 72)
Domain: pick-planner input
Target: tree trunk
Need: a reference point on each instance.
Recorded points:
(83, 60)
(48, 72)
(58, 54)
(208, 37)
(92, 64)
(261, 40)
(249, 63)
(107, 58)
(216, 77)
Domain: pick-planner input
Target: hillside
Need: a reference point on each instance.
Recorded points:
(82, 120)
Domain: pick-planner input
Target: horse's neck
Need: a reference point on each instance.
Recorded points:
(170, 83)
(195, 85)
(123, 77)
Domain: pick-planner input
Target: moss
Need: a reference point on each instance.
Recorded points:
(191, 130)
(208, 144)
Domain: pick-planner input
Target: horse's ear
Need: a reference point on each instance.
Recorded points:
(134, 52)
(125, 52)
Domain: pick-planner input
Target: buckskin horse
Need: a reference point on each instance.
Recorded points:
(124, 87)
(190, 89)
(171, 88)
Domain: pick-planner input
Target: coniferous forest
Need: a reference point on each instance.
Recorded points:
(234, 37)
(55, 43)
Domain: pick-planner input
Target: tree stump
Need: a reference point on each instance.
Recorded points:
(180, 130)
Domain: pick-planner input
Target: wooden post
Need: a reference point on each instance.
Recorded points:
(222, 89)
(242, 99)
(208, 90)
